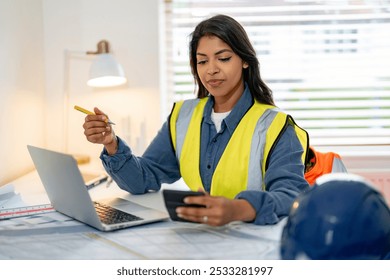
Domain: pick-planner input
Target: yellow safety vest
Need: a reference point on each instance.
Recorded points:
(243, 163)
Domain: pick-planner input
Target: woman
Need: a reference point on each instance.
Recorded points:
(230, 142)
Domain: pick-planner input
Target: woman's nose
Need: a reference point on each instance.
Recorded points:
(213, 69)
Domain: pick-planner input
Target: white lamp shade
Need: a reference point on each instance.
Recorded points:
(106, 72)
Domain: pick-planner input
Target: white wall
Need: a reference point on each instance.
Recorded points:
(21, 85)
(33, 38)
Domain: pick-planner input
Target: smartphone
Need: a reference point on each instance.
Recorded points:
(175, 198)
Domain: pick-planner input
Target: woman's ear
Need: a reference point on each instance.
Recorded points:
(245, 65)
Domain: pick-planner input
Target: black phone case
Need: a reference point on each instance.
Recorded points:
(175, 198)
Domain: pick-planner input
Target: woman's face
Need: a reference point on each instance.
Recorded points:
(220, 71)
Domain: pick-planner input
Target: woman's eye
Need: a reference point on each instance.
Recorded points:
(201, 61)
(225, 59)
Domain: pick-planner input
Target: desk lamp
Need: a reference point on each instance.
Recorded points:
(105, 71)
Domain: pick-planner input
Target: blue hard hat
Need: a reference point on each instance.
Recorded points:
(341, 217)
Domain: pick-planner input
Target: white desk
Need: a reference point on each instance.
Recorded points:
(55, 236)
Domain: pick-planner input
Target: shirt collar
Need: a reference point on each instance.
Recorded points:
(238, 111)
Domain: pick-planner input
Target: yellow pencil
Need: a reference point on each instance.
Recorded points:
(85, 111)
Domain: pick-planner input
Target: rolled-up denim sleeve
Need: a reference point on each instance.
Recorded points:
(284, 180)
(139, 175)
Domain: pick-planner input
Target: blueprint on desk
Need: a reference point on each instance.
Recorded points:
(196, 241)
(55, 236)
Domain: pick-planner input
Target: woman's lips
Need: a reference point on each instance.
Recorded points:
(215, 82)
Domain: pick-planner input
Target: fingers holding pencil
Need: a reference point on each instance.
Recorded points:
(97, 128)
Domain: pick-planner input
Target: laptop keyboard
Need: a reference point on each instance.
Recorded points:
(109, 215)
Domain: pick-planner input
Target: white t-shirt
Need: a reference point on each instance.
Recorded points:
(217, 119)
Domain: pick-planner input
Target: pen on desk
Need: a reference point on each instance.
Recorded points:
(97, 182)
(85, 111)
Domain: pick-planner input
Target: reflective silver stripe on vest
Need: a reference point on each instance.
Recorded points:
(183, 122)
(255, 177)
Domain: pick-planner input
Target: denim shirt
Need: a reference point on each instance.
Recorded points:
(284, 177)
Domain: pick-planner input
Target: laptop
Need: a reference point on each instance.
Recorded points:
(66, 190)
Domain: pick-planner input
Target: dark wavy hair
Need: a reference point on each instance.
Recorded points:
(232, 33)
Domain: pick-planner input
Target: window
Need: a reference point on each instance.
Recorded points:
(327, 62)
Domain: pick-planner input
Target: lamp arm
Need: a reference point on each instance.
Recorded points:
(66, 100)
(66, 95)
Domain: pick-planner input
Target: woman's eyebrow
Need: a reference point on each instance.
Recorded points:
(222, 51)
(217, 53)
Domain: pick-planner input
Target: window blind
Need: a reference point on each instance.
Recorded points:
(327, 62)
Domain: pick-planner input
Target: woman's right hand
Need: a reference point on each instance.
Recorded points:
(97, 130)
